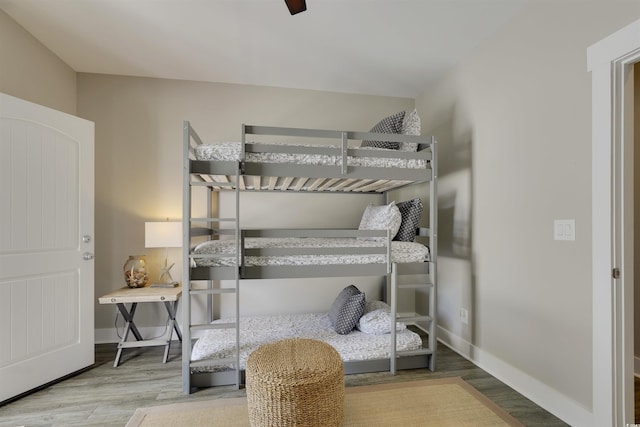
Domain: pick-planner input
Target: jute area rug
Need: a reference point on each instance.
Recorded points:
(439, 402)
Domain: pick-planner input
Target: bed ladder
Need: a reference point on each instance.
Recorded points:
(425, 287)
(189, 232)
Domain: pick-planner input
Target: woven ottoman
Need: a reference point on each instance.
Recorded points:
(295, 382)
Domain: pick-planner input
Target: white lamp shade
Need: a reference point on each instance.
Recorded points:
(166, 234)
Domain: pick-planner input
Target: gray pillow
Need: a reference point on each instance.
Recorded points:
(410, 212)
(347, 309)
(391, 124)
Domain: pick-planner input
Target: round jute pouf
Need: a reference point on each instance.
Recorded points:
(295, 382)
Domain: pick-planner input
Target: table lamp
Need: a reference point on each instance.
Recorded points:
(166, 234)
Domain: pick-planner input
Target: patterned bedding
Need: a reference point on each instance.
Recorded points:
(230, 151)
(401, 252)
(259, 330)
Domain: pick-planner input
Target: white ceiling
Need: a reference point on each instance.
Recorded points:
(379, 47)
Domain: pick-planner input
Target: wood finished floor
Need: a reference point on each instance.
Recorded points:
(108, 396)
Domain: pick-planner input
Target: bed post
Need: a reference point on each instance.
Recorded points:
(433, 246)
(237, 270)
(394, 315)
(186, 276)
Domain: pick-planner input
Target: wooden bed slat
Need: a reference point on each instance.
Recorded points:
(342, 184)
(286, 183)
(272, 183)
(316, 184)
(372, 187)
(357, 184)
(328, 184)
(391, 185)
(300, 184)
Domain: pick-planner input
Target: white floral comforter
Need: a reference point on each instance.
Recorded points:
(259, 330)
(230, 151)
(401, 252)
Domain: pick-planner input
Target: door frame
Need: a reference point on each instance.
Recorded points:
(610, 62)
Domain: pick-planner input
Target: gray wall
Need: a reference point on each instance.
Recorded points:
(139, 175)
(522, 103)
(30, 71)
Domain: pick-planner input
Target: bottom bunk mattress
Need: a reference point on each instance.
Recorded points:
(259, 330)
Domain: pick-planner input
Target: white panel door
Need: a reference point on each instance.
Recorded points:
(46, 245)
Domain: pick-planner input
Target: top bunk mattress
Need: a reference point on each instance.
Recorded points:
(307, 154)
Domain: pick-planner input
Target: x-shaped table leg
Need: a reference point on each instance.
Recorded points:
(129, 326)
(171, 309)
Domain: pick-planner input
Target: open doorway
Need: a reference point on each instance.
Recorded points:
(611, 63)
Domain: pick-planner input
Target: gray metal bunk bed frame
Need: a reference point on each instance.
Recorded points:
(233, 176)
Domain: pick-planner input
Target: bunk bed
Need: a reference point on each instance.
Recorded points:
(218, 249)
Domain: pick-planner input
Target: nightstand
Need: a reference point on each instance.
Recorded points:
(133, 296)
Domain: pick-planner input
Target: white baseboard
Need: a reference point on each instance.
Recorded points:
(563, 407)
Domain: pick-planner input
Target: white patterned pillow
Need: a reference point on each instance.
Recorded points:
(391, 124)
(385, 217)
(411, 123)
(410, 126)
(408, 146)
(369, 306)
(346, 310)
(410, 212)
(377, 319)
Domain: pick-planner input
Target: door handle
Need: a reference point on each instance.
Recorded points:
(87, 256)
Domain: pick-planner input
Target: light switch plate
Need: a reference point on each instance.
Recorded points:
(564, 229)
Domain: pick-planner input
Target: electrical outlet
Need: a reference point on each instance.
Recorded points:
(464, 316)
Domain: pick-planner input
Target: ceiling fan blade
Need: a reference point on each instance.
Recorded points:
(296, 6)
